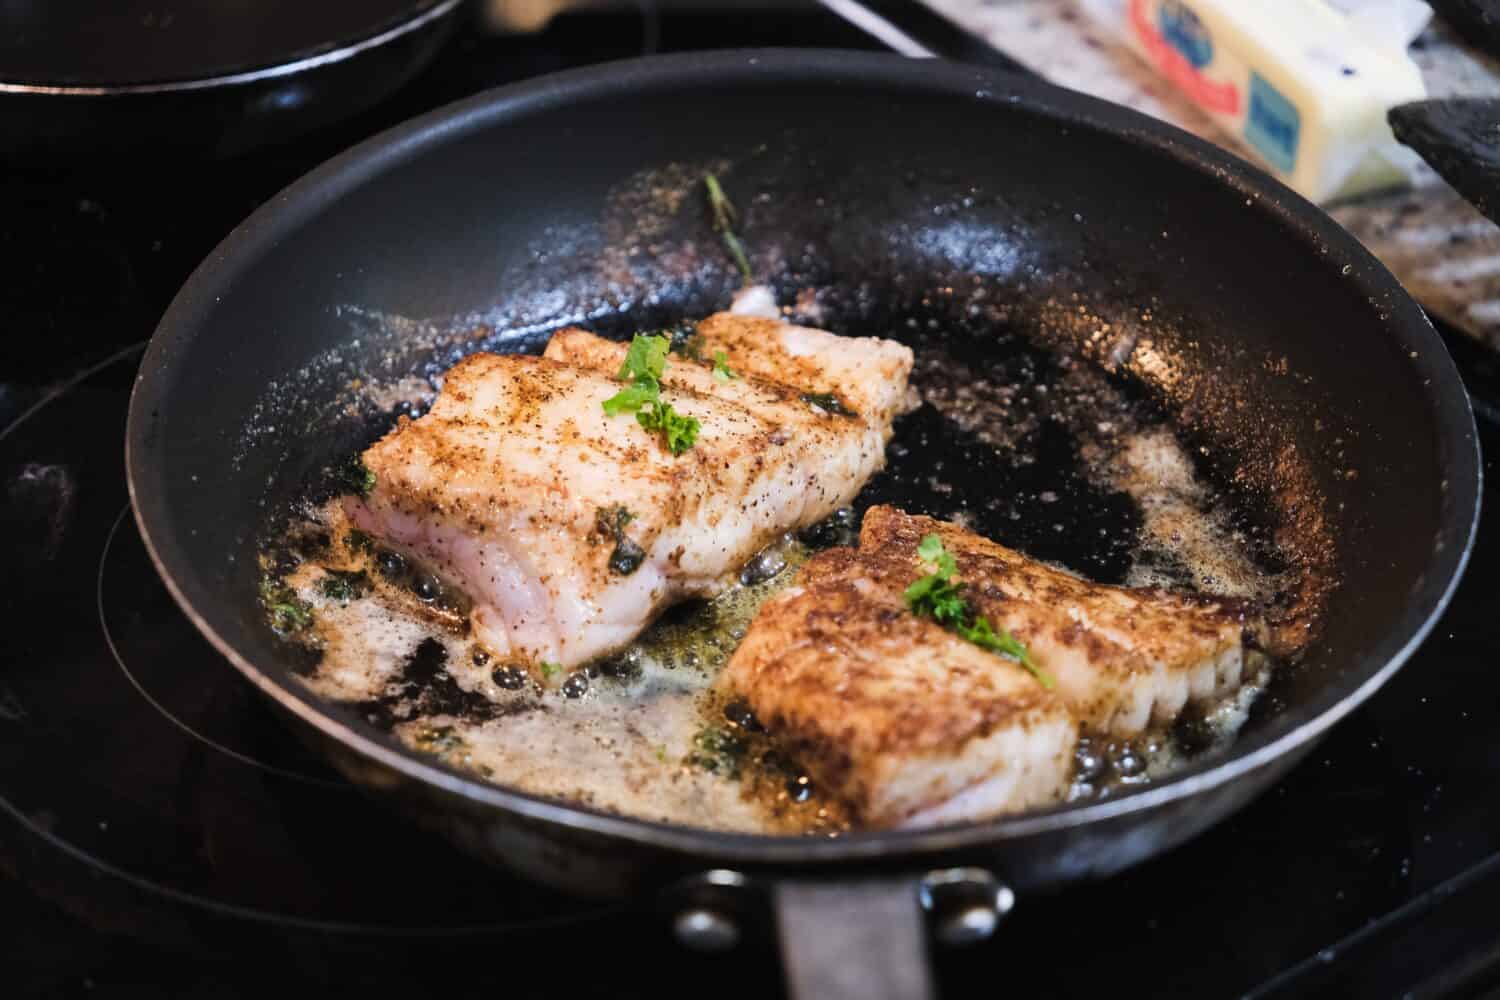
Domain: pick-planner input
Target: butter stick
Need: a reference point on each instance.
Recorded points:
(1304, 85)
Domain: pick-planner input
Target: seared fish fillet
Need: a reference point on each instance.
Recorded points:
(813, 360)
(865, 374)
(901, 719)
(1122, 658)
(501, 485)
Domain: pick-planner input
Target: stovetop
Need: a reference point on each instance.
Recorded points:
(162, 834)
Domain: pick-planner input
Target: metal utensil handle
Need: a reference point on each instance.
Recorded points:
(914, 29)
(854, 940)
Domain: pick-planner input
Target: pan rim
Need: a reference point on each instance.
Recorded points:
(346, 49)
(1406, 324)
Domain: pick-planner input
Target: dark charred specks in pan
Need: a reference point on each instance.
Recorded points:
(1035, 497)
(1049, 410)
(426, 689)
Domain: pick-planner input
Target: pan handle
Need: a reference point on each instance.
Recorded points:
(862, 940)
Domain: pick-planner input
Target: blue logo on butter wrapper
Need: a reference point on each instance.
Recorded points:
(1181, 29)
(1273, 125)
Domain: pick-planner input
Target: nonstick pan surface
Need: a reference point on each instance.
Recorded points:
(994, 213)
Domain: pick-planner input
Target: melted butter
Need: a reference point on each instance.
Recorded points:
(1104, 766)
(1189, 540)
(624, 735)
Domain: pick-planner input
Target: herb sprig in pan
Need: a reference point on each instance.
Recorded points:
(724, 217)
(939, 596)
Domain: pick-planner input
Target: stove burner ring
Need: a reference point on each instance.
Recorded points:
(135, 682)
(77, 379)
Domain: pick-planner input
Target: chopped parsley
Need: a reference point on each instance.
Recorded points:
(644, 364)
(631, 398)
(722, 371)
(344, 586)
(645, 360)
(724, 217)
(550, 669)
(642, 370)
(289, 613)
(828, 403)
(357, 478)
(939, 596)
(680, 433)
(982, 635)
(610, 522)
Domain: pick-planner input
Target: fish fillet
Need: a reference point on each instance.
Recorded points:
(912, 725)
(814, 360)
(1122, 658)
(901, 719)
(501, 485)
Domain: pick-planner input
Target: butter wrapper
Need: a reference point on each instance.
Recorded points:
(1303, 85)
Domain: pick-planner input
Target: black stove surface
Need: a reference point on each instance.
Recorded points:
(162, 834)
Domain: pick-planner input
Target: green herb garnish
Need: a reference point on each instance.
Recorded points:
(717, 750)
(358, 541)
(939, 596)
(646, 359)
(722, 371)
(344, 586)
(679, 432)
(828, 403)
(982, 635)
(724, 217)
(630, 399)
(642, 370)
(643, 367)
(289, 613)
(627, 556)
(550, 669)
(357, 478)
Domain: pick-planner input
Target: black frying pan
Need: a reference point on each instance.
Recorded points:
(145, 79)
(1000, 216)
